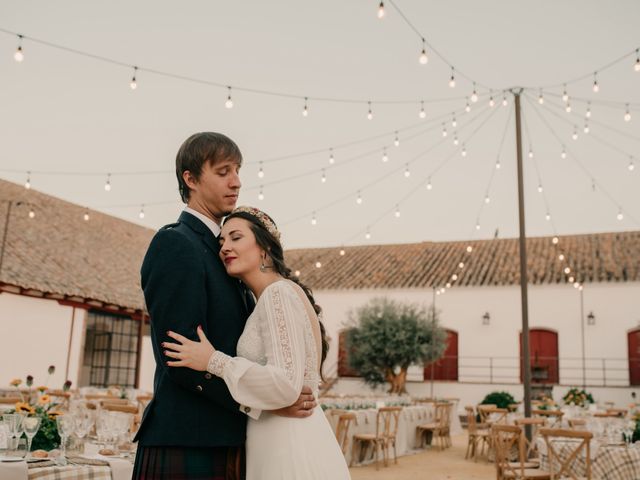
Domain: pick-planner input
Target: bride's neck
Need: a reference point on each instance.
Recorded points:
(257, 281)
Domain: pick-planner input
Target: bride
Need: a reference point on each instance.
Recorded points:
(280, 351)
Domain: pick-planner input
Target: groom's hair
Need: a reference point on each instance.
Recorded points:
(201, 148)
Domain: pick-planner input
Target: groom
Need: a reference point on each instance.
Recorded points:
(193, 428)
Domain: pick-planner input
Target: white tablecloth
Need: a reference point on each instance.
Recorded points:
(120, 469)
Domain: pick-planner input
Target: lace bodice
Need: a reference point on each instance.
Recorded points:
(277, 352)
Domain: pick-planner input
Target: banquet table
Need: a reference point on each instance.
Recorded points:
(99, 468)
(608, 462)
(410, 417)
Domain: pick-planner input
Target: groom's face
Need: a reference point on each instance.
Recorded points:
(215, 193)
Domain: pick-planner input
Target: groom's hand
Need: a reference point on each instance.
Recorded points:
(302, 408)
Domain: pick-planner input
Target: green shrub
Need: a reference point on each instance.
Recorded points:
(499, 399)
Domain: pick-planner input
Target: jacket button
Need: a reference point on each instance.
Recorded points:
(199, 388)
(247, 409)
(207, 376)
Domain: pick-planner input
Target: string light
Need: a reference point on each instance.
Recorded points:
(478, 226)
(547, 216)
(385, 157)
(260, 171)
(332, 159)
(423, 59)
(452, 80)
(539, 188)
(381, 10)
(447, 285)
(474, 95)
(260, 194)
(27, 184)
(342, 252)
(461, 265)
(530, 152)
(454, 277)
(561, 257)
(429, 186)
(555, 240)
(492, 102)
(323, 179)
(541, 98)
(467, 107)
(407, 173)
(107, 185)
(369, 113)
(359, 198)
(570, 279)
(32, 214)
(314, 221)
(422, 113)
(297, 273)
(504, 100)
(631, 166)
(367, 234)
(588, 112)
(586, 127)
(19, 55)
(576, 285)
(563, 154)
(568, 108)
(134, 83)
(596, 87)
(141, 214)
(574, 135)
(469, 249)
(86, 215)
(636, 66)
(318, 265)
(498, 164)
(487, 199)
(229, 102)
(565, 95)
(627, 114)
(454, 122)
(305, 110)
(620, 216)
(464, 151)
(455, 140)
(444, 130)
(567, 270)
(397, 212)
(396, 140)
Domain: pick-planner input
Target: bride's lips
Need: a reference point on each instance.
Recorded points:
(228, 260)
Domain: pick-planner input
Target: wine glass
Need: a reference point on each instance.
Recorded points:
(31, 427)
(83, 424)
(15, 429)
(65, 428)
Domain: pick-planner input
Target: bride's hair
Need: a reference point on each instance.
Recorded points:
(271, 244)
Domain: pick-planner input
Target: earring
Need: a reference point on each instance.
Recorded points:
(263, 267)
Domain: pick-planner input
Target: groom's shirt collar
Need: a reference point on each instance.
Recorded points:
(213, 226)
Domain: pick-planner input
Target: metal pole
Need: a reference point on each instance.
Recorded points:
(584, 368)
(526, 361)
(433, 325)
(4, 233)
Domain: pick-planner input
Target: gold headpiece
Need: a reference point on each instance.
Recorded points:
(265, 220)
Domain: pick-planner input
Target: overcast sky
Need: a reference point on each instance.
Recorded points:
(62, 112)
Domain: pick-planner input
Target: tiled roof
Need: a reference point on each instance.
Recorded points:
(599, 257)
(58, 254)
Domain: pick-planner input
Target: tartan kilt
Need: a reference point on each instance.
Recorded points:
(189, 463)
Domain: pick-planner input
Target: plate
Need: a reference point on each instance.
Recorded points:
(11, 459)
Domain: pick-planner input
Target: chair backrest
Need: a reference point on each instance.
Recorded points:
(482, 408)
(504, 439)
(536, 424)
(560, 466)
(472, 423)
(119, 407)
(342, 429)
(443, 414)
(387, 421)
(577, 422)
(9, 400)
(618, 412)
(554, 416)
(496, 415)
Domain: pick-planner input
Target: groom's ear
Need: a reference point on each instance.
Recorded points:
(189, 179)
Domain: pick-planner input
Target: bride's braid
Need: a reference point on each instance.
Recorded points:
(267, 236)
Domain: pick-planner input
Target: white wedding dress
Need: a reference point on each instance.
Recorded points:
(278, 354)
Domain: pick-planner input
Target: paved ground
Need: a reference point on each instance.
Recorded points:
(431, 464)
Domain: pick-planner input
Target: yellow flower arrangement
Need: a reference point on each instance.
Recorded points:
(16, 382)
(42, 389)
(24, 407)
(44, 399)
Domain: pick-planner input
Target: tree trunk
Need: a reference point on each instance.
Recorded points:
(397, 382)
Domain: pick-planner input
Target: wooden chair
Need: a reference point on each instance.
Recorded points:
(531, 447)
(506, 439)
(342, 429)
(478, 434)
(561, 467)
(386, 429)
(577, 423)
(482, 408)
(439, 428)
(496, 415)
(617, 412)
(553, 417)
(9, 400)
(119, 407)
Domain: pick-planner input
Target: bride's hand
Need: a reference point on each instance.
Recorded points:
(189, 354)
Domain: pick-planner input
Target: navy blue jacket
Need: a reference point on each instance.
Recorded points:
(185, 284)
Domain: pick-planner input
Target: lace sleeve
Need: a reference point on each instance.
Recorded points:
(278, 383)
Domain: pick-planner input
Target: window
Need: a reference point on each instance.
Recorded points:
(111, 349)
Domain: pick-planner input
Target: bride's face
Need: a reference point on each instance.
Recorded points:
(239, 250)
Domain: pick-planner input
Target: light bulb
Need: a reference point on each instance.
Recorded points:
(588, 112)
(561, 257)
(487, 199)
(636, 66)
(359, 199)
(444, 130)
(497, 164)
(454, 277)
(620, 216)
(32, 213)
(86, 216)
(407, 173)
(574, 135)
(429, 186)
(464, 151)
(454, 122)
(107, 185)
(492, 102)
(567, 270)
(547, 216)
(565, 95)
(422, 113)
(576, 285)
(596, 86)
(461, 265)
(369, 113)
(318, 265)
(539, 188)
(314, 221)
(229, 102)
(305, 110)
(469, 249)
(367, 235)
(504, 101)
(381, 10)
(452, 80)
(568, 108)
(455, 140)
(530, 152)
(397, 212)
(27, 184)
(586, 128)
(385, 157)
(477, 226)
(19, 55)
(447, 285)
(396, 140)
(261, 171)
(323, 179)
(332, 159)
(297, 273)
(260, 194)
(141, 214)
(570, 279)
(467, 107)
(627, 114)
(631, 166)
(555, 240)
(342, 252)
(474, 95)
(134, 84)
(423, 59)
(563, 154)
(541, 98)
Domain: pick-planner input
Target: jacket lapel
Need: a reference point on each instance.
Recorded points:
(197, 226)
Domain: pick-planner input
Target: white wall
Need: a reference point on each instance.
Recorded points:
(616, 307)
(35, 334)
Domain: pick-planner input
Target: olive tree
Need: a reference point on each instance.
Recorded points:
(385, 337)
